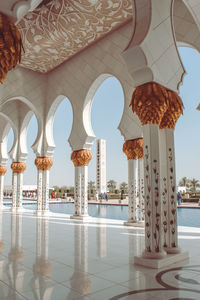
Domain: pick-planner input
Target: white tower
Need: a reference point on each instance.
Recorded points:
(101, 166)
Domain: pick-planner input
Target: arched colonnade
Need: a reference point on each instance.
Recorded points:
(146, 61)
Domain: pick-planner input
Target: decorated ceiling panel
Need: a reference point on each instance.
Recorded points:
(59, 29)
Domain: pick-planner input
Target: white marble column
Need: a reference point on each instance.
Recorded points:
(1, 190)
(14, 191)
(18, 169)
(19, 190)
(3, 170)
(77, 191)
(39, 190)
(141, 188)
(133, 150)
(45, 189)
(84, 191)
(43, 165)
(153, 205)
(132, 191)
(81, 159)
(164, 187)
(172, 193)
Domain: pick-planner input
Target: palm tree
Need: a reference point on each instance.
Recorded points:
(124, 186)
(91, 187)
(194, 184)
(111, 184)
(184, 181)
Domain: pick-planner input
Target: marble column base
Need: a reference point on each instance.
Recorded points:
(168, 260)
(134, 224)
(81, 218)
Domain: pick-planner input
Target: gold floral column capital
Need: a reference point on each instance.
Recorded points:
(3, 170)
(18, 167)
(133, 148)
(10, 46)
(150, 102)
(173, 112)
(81, 157)
(43, 163)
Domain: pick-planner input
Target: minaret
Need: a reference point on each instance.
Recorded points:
(101, 166)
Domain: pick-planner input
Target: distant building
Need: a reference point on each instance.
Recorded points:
(101, 166)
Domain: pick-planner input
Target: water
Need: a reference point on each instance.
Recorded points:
(186, 216)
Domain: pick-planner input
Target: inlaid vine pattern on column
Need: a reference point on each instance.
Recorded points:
(157, 228)
(77, 195)
(172, 189)
(148, 212)
(165, 211)
(132, 207)
(142, 194)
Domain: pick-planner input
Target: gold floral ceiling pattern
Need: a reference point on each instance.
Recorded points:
(59, 29)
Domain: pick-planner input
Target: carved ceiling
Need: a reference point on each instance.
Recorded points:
(59, 29)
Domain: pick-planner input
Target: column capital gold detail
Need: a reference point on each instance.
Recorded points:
(43, 163)
(173, 112)
(18, 167)
(3, 170)
(10, 46)
(150, 102)
(81, 157)
(133, 148)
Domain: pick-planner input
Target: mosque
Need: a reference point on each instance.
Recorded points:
(53, 49)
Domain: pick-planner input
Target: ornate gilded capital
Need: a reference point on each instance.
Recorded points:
(43, 163)
(10, 46)
(133, 149)
(18, 167)
(173, 112)
(81, 158)
(150, 102)
(3, 170)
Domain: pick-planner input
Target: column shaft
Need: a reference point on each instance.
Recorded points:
(14, 190)
(1, 190)
(172, 193)
(141, 188)
(132, 193)
(39, 189)
(164, 187)
(153, 205)
(84, 191)
(77, 192)
(19, 190)
(45, 190)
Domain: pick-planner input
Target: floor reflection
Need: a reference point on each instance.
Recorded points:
(55, 258)
(79, 283)
(41, 284)
(15, 268)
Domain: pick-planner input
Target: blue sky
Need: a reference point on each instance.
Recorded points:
(107, 110)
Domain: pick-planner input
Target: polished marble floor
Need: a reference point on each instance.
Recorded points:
(57, 258)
